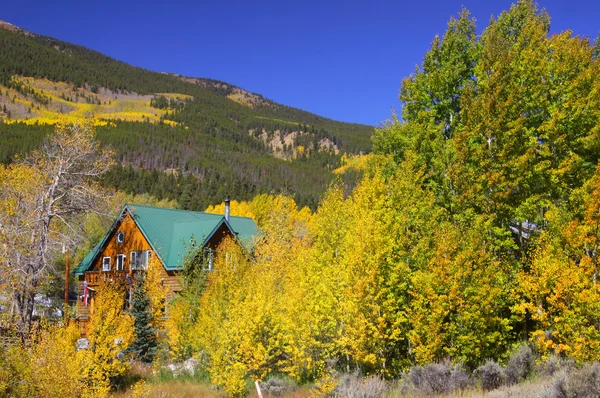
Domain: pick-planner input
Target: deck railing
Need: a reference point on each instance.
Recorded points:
(95, 278)
(9, 336)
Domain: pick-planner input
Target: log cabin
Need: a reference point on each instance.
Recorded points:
(141, 233)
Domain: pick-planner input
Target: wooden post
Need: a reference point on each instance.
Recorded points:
(66, 306)
(258, 389)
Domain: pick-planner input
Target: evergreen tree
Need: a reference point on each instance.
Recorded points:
(144, 345)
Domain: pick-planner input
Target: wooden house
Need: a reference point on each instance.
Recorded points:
(141, 233)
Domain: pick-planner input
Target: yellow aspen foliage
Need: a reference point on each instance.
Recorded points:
(562, 298)
(50, 366)
(325, 386)
(243, 324)
(279, 218)
(216, 329)
(560, 291)
(140, 389)
(20, 187)
(241, 209)
(261, 206)
(179, 326)
(57, 368)
(15, 372)
(281, 259)
(183, 310)
(313, 291)
(459, 301)
(390, 223)
(157, 292)
(369, 327)
(111, 332)
(40, 205)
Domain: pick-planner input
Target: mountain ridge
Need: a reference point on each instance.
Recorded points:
(210, 84)
(217, 138)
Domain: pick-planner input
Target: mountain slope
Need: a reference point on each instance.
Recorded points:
(26, 54)
(199, 138)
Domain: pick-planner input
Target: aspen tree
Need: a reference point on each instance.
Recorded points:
(40, 197)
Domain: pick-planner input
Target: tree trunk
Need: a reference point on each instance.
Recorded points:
(24, 303)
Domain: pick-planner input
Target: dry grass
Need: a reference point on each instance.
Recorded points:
(187, 389)
(150, 385)
(172, 389)
(183, 389)
(527, 389)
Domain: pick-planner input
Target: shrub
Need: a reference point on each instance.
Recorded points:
(50, 366)
(554, 364)
(438, 378)
(354, 386)
(56, 364)
(15, 372)
(277, 386)
(490, 374)
(189, 370)
(520, 365)
(459, 378)
(583, 382)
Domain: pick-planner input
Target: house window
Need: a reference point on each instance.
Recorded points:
(208, 260)
(134, 259)
(120, 262)
(120, 237)
(106, 264)
(146, 258)
(231, 261)
(140, 259)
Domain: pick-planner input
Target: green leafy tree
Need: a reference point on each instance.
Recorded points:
(431, 99)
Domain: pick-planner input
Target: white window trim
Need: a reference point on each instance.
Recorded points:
(139, 259)
(133, 260)
(123, 257)
(231, 261)
(148, 258)
(104, 267)
(209, 260)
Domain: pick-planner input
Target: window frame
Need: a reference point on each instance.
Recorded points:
(148, 258)
(122, 257)
(208, 259)
(106, 267)
(134, 259)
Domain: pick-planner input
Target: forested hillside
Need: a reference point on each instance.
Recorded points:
(179, 138)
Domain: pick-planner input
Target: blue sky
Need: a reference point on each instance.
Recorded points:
(340, 59)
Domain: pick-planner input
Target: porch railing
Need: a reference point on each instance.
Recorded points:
(95, 278)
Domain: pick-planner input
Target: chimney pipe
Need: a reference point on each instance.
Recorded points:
(227, 208)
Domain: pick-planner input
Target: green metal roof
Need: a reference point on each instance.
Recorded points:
(87, 260)
(170, 231)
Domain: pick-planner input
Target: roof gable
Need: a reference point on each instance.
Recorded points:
(169, 232)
